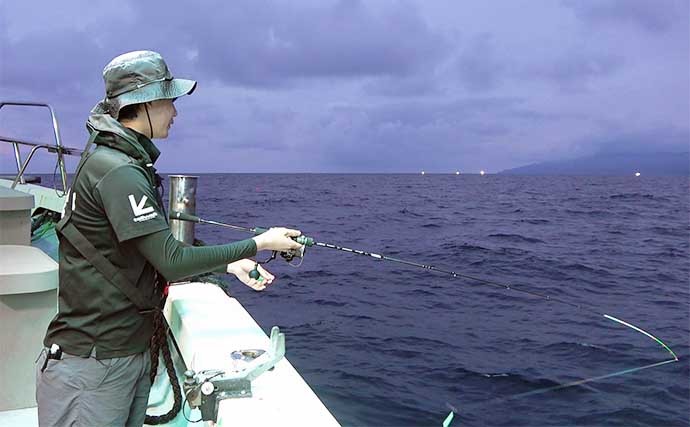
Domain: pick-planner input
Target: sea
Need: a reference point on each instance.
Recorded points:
(387, 344)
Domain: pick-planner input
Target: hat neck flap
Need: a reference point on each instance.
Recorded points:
(113, 134)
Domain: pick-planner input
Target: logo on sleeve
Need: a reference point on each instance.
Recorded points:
(140, 210)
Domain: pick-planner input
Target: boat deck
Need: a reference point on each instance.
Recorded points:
(207, 326)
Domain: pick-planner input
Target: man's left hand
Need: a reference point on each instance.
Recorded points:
(242, 268)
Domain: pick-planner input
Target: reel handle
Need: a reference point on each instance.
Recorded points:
(254, 274)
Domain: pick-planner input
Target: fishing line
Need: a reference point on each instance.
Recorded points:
(308, 242)
(674, 357)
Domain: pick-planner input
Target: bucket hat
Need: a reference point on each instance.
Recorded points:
(136, 77)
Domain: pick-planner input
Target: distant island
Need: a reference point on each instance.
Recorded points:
(655, 164)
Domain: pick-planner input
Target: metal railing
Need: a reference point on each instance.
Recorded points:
(57, 148)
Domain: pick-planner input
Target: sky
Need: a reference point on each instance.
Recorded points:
(353, 86)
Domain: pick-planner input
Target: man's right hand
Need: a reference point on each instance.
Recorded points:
(277, 239)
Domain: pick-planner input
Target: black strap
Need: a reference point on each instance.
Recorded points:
(105, 267)
(68, 206)
(111, 273)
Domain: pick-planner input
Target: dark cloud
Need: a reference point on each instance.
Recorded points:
(645, 141)
(269, 44)
(376, 86)
(649, 15)
(422, 84)
(478, 65)
(244, 43)
(572, 69)
(482, 69)
(436, 136)
(64, 63)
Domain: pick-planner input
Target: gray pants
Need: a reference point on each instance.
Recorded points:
(84, 391)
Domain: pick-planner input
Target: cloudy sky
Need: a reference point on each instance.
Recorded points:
(366, 86)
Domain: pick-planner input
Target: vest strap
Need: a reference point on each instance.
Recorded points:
(111, 273)
(67, 214)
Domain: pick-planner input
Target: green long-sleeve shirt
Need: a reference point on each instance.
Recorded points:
(175, 260)
(113, 203)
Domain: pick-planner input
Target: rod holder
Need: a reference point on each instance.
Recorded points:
(183, 199)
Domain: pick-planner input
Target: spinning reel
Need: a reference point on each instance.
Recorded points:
(288, 256)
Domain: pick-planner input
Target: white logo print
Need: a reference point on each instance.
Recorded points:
(141, 213)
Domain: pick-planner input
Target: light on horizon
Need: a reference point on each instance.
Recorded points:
(423, 172)
(481, 172)
(457, 172)
(637, 174)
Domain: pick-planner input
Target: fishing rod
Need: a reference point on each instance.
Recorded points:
(309, 242)
(288, 255)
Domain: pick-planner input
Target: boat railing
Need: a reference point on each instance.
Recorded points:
(57, 148)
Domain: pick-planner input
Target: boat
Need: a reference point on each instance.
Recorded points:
(229, 369)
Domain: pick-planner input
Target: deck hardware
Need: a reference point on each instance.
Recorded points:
(206, 389)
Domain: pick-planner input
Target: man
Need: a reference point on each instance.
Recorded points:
(114, 244)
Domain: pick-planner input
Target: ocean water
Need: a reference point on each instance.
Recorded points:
(384, 344)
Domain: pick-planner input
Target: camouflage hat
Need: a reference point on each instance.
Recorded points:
(137, 77)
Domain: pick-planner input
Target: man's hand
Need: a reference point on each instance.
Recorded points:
(277, 239)
(242, 268)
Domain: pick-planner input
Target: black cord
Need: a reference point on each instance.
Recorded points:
(148, 117)
(186, 402)
(64, 190)
(215, 375)
(160, 192)
(159, 343)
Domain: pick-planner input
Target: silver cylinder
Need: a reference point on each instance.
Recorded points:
(183, 199)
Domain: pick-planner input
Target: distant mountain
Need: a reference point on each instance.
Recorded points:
(658, 164)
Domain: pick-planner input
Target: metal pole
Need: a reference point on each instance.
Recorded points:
(183, 199)
(18, 159)
(58, 142)
(56, 133)
(20, 174)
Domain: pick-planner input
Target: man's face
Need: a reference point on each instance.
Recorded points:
(162, 112)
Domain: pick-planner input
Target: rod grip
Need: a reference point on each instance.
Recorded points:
(183, 216)
(302, 240)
